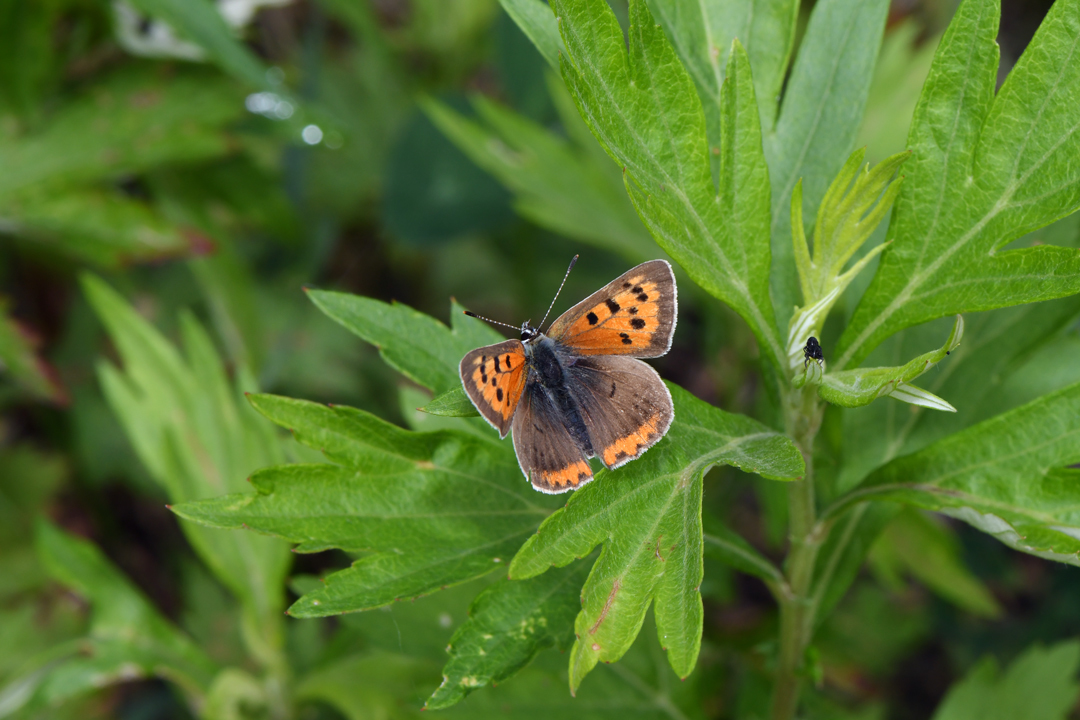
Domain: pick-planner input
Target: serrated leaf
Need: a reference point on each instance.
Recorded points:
(851, 210)
(1007, 476)
(452, 403)
(536, 21)
(128, 636)
(823, 107)
(855, 388)
(101, 227)
(417, 345)
(127, 123)
(648, 517)
(643, 109)
(509, 623)
(984, 171)
(186, 422)
(1039, 685)
(702, 33)
(641, 685)
(429, 509)
(574, 193)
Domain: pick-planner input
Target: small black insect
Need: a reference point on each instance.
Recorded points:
(812, 351)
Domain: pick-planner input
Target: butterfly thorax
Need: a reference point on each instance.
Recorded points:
(546, 368)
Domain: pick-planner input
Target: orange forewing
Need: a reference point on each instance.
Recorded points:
(634, 315)
(494, 378)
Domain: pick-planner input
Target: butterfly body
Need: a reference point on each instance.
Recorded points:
(579, 391)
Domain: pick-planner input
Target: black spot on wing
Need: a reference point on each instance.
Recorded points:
(591, 317)
(612, 306)
(637, 323)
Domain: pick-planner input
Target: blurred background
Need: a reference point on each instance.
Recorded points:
(411, 151)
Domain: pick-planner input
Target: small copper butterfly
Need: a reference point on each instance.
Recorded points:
(578, 392)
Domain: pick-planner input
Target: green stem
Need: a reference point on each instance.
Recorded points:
(796, 606)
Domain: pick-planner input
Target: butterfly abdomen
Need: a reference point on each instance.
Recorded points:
(546, 369)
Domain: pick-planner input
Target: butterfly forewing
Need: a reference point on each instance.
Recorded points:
(545, 450)
(494, 378)
(624, 404)
(633, 315)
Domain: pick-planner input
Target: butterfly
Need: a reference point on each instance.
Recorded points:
(578, 391)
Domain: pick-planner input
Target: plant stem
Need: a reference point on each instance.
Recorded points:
(803, 418)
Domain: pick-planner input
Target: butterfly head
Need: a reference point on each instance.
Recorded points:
(528, 332)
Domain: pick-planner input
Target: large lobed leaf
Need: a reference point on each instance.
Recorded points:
(984, 170)
(427, 509)
(643, 109)
(1007, 476)
(648, 517)
(702, 34)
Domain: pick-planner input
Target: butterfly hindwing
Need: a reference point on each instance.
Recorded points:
(624, 404)
(633, 315)
(494, 378)
(546, 451)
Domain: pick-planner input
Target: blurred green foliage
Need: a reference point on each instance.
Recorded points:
(159, 219)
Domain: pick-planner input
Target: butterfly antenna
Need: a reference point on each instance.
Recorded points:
(493, 322)
(572, 263)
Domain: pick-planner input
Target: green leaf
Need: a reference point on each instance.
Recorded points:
(428, 509)
(128, 123)
(20, 361)
(417, 345)
(820, 116)
(985, 376)
(648, 516)
(555, 185)
(1007, 476)
(197, 438)
(539, 25)
(201, 22)
(102, 227)
(855, 388)
(702, 35)
(643, 109)
(984, 171)
(509, 623)
(723, 544)
(851, 210)
(127, 633)
(452, 403)
(1039, 685)
(930, 552)
(372, 684)
(640, 686)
